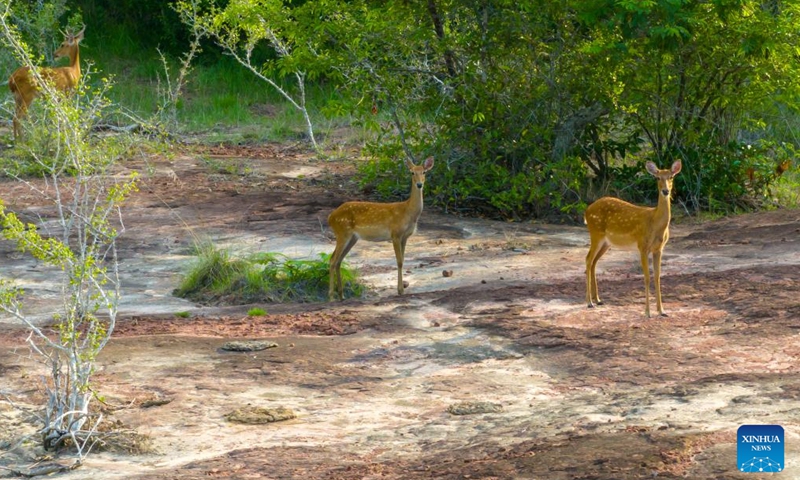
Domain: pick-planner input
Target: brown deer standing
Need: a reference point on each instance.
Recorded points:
(377, 222)
(24, 85)
(612, 221)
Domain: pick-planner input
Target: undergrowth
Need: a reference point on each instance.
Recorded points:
(218, 278)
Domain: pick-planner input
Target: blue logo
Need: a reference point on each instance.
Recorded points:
(760, 448)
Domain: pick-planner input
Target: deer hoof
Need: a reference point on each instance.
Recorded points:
(591, 305)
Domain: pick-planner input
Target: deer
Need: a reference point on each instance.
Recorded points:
(376, 222)
(612, 221)
(24, 84)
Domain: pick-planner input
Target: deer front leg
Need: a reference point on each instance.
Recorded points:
(399, 253)
(646, 271)
(657, 278)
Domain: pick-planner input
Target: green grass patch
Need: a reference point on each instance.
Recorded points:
(256, 312)
(221, 100)
(226, 166)
(216, 278)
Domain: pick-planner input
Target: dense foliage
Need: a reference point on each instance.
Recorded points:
(531, 108)
(538, 108)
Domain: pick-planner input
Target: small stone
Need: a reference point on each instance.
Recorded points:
(447, 273)
(472, 408)
(247, 345)
(155, 402)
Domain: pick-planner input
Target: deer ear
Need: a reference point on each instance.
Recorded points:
(676, 167)
(428, 163)
(651, 167)
(409, 163)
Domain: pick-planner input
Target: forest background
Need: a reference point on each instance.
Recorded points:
(531, 109)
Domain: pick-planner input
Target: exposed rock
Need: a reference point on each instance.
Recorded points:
(260, 415)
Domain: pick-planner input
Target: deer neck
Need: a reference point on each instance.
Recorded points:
(75, 63)
(415, 201)
(663, 213)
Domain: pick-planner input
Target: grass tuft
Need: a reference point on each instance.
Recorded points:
(217, 278)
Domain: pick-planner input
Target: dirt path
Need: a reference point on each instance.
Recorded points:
(570, 392)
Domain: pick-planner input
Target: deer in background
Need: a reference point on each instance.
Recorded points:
(24, 84)
(612, 221)
(377, 222)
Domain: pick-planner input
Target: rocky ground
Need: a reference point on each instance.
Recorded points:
(496, 371)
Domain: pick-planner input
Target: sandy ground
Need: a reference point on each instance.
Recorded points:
(575, 393)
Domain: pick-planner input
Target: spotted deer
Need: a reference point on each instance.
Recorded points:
(24, 84)
(376, 222)
(612, 221)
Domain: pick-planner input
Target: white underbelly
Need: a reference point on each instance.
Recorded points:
(623, 241)
(374, 235)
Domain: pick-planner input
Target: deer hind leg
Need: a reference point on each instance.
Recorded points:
(603, 249)
(657, 279)
(343, 246)
(597, 250)
(646, 270)
(332, 269)
(348, 246)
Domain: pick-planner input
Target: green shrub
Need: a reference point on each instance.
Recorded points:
(217, 278)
